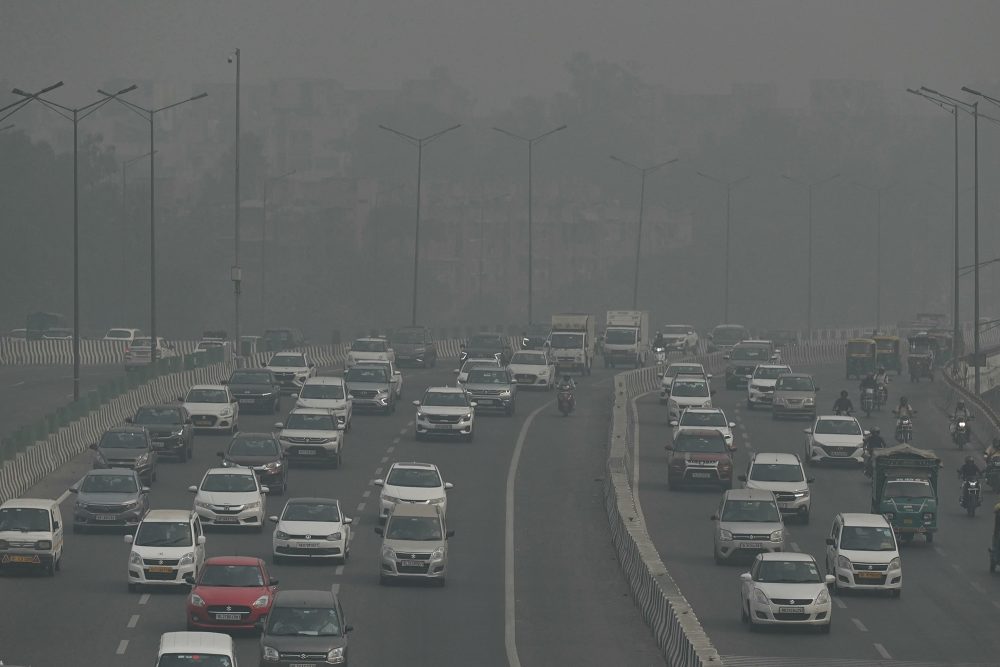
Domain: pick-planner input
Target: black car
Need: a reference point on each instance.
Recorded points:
(263, 453)
(127, 447)
(279, 340)
(485, 345)
(414, 345)
(303, 628)
(534, 337)
(169, 427)
(255, 389)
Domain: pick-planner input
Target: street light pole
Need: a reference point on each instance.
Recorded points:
(419, 142)
(237, 273)
(809, 299)
(263, 239)
(124, 228)
(729, 189)
(643, 171)
(878, 248)
(530, 141)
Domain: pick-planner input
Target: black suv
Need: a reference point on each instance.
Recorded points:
(413, 345)
(486, 345)
(742, 360)
(255, 389)
(169, 428)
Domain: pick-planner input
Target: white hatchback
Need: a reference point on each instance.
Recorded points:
(862, 553)
(213, 408)
(785, 588)
(230, 497)
(167, 547)
(311, 528)
(412, 483)
(835, 439)
(688, 391)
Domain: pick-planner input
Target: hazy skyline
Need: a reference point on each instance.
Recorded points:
(504, 50)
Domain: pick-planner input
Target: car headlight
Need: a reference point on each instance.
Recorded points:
(438, 554)
(134, 558)
(202, 504)
(186, 559)
(725, 535)
(261, 602)
(142, 459)
(226, 412)
(759, 596)
(505, 392)
(273, 465)
(928, 516)
(890, 516)
(178, 433)
(130, 504)
(843, 562)
(808, 401)
(467, 417)
(802, 494)
(335, 537)
(438, 501)
(382, 392)
(777, 535)
(419, 350)
(388, 553)
(252, 506)
(43, 544)
(823, 597)
(226, 463)
(895, 564)
(197, 600)
(270, 654)
(420, 415)
(391, 499)
(335, 655)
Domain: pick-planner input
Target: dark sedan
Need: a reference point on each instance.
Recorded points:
(256, 390)
(169, 427)
(263, 453)
(127, 447)
(486, 345)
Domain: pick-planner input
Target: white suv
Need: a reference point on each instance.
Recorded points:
(689, 391)
(445, 411)
(862, 553)
(312, 435)
(700, 418)
(760, 383)
(783, 475)
(167, 547)
(835, 439)
(291, 370)
(411, 482)
(330, 393)
(364, 350)
(230, 497)
(679, 368)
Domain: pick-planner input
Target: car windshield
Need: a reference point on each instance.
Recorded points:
(776, 472)
(750, 354)
(770, 373)
(109, 484)
(424, 478)
(728, 335)
(837, 427)
(250, 445)
(690, 418)
(193, 660)
(620, 336)
(239, 576)
(689, 388)
(326, 391)
(163, 534)
(411, 337)
(288, 361)
(156, 416)
(788, 572)
(369, 346)
(794, 384)
(488, 342)
(479, 363)
(250, 377)
(24, 519)
(528, 359)
(303, 622)
(141, 342)
(310, 422)
(417, 528)
(684, 369)
(367, 374)
(909, 489)
(123, 440)
(566, 341)
(207, 396)
(676, 330)
(751, 511)
(860, 347)
(445, 399)
(319, 512)
(867, 538)
(488, 376)
(119, 333)
(708, 444)
(229, 483)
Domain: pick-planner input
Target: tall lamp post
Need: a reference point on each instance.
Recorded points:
(729, 185)
(263, 237)
(419, 142)
(878, 248)
(643, 172)
(236, 273)
(809, 188)
(530, 141)
(148, 115)
(124, 230)
(74, 115)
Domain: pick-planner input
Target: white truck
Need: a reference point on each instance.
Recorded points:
(626, 338)
(572, 342)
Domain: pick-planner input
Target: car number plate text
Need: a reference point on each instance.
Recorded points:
(869, 575)
(306, 452)
(105, 517)
(228, 617)
(160, 569)
(750, 545)
(701, 475)
(307, 545)
(226, 519)
(246, 401)
(303, 664)
(411, 563)
(791, 610)
(20, 559)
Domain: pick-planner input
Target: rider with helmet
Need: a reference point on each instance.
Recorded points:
(843, 404)
(969, 469)
(882, 376)
(566, 383)
(658, 340)
(961, 414)
(874, 441)
(904, 409)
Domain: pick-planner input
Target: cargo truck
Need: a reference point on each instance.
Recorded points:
(626, 338)
(572, 342)
(904, 490)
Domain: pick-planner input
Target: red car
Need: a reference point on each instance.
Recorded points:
(231, 592)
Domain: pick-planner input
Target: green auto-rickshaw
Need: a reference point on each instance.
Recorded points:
(860, 357)
(887, 353)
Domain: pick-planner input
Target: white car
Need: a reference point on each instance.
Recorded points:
(138, 352)
(475, 362)
(688, 391)
(532, 368)
(680, 368)
(412, 483)
(213, 408)
(230, 497)
(123, 334)
(291, 370)
(785, 588)
(680, 338)
(311, 528)
(167, 546)
(330, 393)
(397, 377)
(369, 349)
(702, 418)
(862, 553)
(760, 383)
(833, 438)
(783, 475)
(312, 435)
(445, 411)
(196, 648)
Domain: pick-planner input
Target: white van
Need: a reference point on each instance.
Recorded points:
(197, 649)
(167, 545)
(31, 534)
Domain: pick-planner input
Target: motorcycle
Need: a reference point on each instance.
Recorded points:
(881, 396)
(972, 495)
(567, 401)
(962, 432)
(660, 354)
(904, 429)
(868, 400)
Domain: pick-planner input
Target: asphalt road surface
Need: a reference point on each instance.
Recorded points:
(31, 392)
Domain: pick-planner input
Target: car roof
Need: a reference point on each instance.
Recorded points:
(301, 598)
(690, 377)
(253, 434)
(221, 387)
(758, 341)
(310, 411)
(312, 501)
(748, 494)
(196, 642)
(787, 555)
(416, 509)
(371, 339)
(863, 519)
(108, 471)
(325, 379)
(168, 515)
(696, 411)
(126, 428)
(772, 366)
(414, 465)
(797, 375)
(838, 418)
(446, 390)
(233, 560)
(534, 352)
(700, 432)
(160, 406)
(238, 470)
(781, 458)
(288, 353)
(30, 503)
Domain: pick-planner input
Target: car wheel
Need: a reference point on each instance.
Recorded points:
(232, 429)
(744, 615)
(753, 626)
(58, 565)
(337, 460)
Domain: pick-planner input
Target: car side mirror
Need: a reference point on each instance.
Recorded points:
(711, 392)
(866, 433)
(188, 421)
(259, 626)
(725, 356)
(746, 576)
(273, 519)
(749, 377)
(810, 480)
(450, 533)
(816, 390)
(193, 489)
(379, 530)
(473, 404)
(832, 542)
(348, 628)
(279, 425)
(379, 482)
(457, 371)
(189, 578)
(223, 381)
(829, 580)
(312, 365)
(265, 490)
(93, 446)
(417, 403)
(672, 422)
(669, 447)
(232, 400)
(201, 540)
(742, 478)
(732, 424)
(714, 517)
(807, 431)
(272, 582)
(347, 521)
(448, 485)
(129, 539)
(73, 489)
(55, 525)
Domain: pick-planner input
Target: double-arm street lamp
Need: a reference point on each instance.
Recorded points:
(419, 142)
(530, 141)
(809, 289)
(74, 115)
(124, 230)
(643, 172)
(729, 185)
(263, 239)
(148, 115)
(878, 247)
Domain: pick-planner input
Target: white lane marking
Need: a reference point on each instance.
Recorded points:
(390, 450)
(361, 507)
(122, 645)
(795, 547)
(956, 567)
(336, 589)
(402, 431)
(860, 626)
(367, 493)
(17, 384)
(940, 551)
(144, 598)
(385, 459)
(882, 652)
(134, 621)
(62, 498)
(996, 604)
(378, 471)
(979, 587)
(409, 423)
(510, 603)
(339, 570)
(840, 603)
(395, 441)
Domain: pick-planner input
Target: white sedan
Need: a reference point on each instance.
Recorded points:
(836, 439)
(230, 497)
(311, 528)
(785, 588)
(702, 418)
(532, 368)
(412, 483)
(212, 408)
(679, 368)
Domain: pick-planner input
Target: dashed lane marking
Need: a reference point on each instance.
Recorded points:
(996, 604)
(940, 551)
(367, 493)
(336, 589)
(385, 459)
(17, 384)
(795, 547)
(378, 471)
(361, 507)
(402, 431)
(122, 647)
(859, 625)
(390, 450)
(956, 567)
(395, 441)
(409, 423)
(979, 587)
(882, 652)
(144, 598)
(339, 570)
(132, 622)
(840, 603)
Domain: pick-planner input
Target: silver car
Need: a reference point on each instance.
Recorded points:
(748, 522)
(370, 388)
(414, 544)
(109, 497)
(794, 396)
(492, 389)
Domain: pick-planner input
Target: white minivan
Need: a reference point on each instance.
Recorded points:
(31, 534)
(167, 545)
(197, 649)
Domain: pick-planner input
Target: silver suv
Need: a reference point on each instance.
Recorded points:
(492, 389)
(748, 522)
(414, 544)
(370, 388)
(783, 475)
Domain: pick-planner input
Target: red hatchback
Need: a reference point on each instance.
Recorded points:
(232, 592)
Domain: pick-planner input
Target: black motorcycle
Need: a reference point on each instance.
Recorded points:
(962, 432)
(972, 495)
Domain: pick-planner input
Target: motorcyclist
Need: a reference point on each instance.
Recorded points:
(868, 382)
(882, 376)
(993, 452)
(961, 413)
(659, 341)
(904, 409)
(566, 383)
(969, 470)
(843, 404)
(874, 441)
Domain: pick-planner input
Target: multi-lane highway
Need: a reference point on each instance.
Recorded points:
(949, 608)
(562, 600)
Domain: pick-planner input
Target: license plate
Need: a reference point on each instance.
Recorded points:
(869, 575)
(411, 563)
(307, 545)
(203, 422)
(784, 505)
(160, 569)
(106, 517)
(226, 519)
(907, 522)
(247, 401)
(306, 452)
(791, 610)
(750, 545)
(21, 559)
(701, 475)
(303, 664)
(485, 401)
(228, 617)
